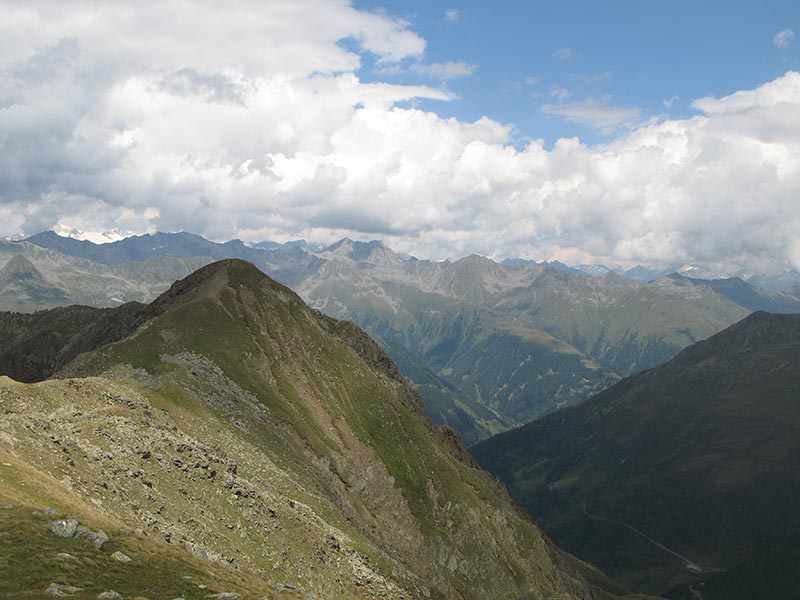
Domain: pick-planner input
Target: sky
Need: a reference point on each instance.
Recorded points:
(620, 132)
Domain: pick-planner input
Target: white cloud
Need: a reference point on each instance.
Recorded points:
(784, 90)
(565, 54)
(452, 15)
(251, 122)
(446, 70)
(783, 38)
(668, 103)
(560, 93)
(595, 112)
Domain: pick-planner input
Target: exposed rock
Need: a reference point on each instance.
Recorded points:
(97, 538)
(195, 549)
(224, 596)
(283, 587)
(57, 590)
(121, 557)
(66, 556)
(66, 528)
(109, 595)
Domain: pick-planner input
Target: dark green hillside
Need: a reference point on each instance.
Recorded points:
(701, 454)
(35, 345)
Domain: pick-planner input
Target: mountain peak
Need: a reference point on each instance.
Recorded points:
(96, 237)
(210, 280)
(19, 277)
(374, 251)
(20, 266)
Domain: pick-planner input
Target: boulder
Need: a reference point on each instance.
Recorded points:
(121, 557)
(57, 590)
(66, 528)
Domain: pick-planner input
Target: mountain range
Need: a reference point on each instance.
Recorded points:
(488, 346)
(679, 481)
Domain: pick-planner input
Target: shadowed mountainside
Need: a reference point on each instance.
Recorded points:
(685, 474)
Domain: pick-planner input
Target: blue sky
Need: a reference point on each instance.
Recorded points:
(634, 54)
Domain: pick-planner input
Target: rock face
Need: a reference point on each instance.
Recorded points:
(259, 435)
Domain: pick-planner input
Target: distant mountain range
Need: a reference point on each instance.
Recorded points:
(489, 346)
(682, 480)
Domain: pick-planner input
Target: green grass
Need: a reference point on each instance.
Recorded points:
(29, 563)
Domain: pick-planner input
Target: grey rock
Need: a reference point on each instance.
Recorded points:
(195, 549)
(109, 595)
(101, 539)
(97, 538)
(66, 528)
(120, 557)
(224, 596)
(57, 590)
(66, 556)
(283, 587)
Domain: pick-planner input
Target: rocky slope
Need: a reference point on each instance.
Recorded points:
(280, 445)
(682, 480)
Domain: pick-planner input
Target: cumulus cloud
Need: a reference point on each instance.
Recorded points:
(783, 38)
(252, 122)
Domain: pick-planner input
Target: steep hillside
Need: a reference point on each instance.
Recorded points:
(249, 429)
(519, 341)
(683, 476)
(625, 326)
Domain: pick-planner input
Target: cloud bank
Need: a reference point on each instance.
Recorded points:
(252, 122)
